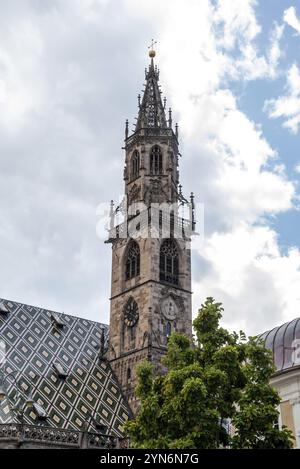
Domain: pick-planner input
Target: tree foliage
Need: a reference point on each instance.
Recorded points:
(219, 377)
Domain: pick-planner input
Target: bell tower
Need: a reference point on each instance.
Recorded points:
(151, 257)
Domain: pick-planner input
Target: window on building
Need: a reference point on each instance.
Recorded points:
(135, 164)
(156, 160)
(169, 262)
(168, 329)
(132, 264)
(287, 417)
(128, 374)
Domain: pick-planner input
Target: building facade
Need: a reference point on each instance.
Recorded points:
(151, 257)
(284, 341)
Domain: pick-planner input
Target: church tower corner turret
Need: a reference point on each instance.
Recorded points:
(151, 256)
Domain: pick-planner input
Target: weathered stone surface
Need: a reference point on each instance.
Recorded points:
(147, 339)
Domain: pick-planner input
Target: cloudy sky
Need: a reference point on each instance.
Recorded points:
(70, 72)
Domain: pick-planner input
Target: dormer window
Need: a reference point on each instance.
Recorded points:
(60, 371)
(39, 411)
(3, 309)
(99, 425)
(56, 321)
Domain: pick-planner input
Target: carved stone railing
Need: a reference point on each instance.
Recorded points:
(95, 440)
(124, 443)
(157, 131)
(10, 431)
(173, 225)
(151, 132)
(53, 437)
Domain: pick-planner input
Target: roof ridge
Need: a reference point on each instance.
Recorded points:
(53, 311)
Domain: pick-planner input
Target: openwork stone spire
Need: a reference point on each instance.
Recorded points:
(151, 110)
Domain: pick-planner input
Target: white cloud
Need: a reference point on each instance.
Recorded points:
(288, 105)
(3, 92)
(240, 261)
(238, 20)
(259, 286)
(61, 127)
(239, 33)
(275, 52)
(290, 17)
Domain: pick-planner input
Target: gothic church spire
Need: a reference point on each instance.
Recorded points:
(151, 110)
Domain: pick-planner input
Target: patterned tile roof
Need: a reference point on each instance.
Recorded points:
(33, 342)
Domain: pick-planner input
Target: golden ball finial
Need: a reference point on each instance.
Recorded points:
(152, 52)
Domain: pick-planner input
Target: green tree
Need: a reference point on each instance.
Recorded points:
(221, 376)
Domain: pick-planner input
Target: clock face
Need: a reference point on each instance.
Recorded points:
(131, 313)
(169, 308)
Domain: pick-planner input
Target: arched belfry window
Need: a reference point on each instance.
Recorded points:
(132, 262)
(169, 262)
(135, 164)
(156, 160)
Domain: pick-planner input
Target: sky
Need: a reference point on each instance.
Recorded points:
(70, 73)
